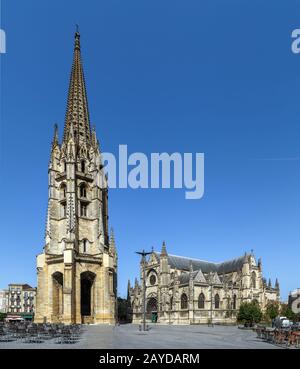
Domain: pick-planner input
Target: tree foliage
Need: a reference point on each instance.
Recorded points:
(272, 309)
(288, 312)
(249, 313)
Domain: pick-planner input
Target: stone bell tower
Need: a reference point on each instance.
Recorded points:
(77, 269)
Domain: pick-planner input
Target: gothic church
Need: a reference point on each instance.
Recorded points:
(182, 290)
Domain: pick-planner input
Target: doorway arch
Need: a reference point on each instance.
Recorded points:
(57, 294)
(87, 280)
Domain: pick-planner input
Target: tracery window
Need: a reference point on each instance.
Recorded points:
(184, 301)
(217, 301)
(152, 280)
(201, 301)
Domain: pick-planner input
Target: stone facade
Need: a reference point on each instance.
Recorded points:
(183, 290)
(77, 269)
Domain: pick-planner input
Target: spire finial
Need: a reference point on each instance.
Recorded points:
(55, 137)
(164, 249)
(191, 266)
(112, 244)
(77, 38)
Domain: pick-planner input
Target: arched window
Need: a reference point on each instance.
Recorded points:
(234, 302)
(65, 166)
(184, 301)
(82, 165)
(171, 303)
(84, 244)
(82, 190)
(253, 279)
(152, 279)
(201, 301)
(217, 301)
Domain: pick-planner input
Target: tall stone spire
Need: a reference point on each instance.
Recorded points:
(77, 106)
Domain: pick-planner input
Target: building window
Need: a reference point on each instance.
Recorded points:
(83, 210)
(217, 301)
(171, 303)
(253, 279)
(84, 246)
(65, 166)
(184, 301)
(82, 190)
(82, 165)
(152, 280)
(201, 301)
(234, 302)
(63, 191)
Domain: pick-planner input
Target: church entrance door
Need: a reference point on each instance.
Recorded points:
(87, 296)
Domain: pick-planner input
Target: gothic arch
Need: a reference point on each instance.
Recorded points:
(151, 305)
(184, 301)
(87, 280)
(83, 189)
(57, 293)
(63, 191)
(217, 301)
(201, 301)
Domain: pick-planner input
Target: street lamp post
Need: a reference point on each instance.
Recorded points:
(143, 261)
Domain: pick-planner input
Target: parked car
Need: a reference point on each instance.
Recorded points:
(285, 323)
(282, 322)
(296, 326)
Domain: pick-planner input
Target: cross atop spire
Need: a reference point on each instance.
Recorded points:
(77, 106)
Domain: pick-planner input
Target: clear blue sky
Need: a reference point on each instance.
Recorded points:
(162, 76)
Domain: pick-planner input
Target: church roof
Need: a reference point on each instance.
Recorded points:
(183, 263)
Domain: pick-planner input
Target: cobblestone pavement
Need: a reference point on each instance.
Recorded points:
(158, 337)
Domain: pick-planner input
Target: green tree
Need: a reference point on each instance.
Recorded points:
(288, 312)
(272, 309)
(249, 313)
(2, 316)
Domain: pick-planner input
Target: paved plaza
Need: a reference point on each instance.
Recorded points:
(158, 337)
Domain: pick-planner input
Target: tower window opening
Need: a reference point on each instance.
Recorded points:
(63, 191)
(83, 210)
(82, 166)
(83, 191)
(84, 246)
